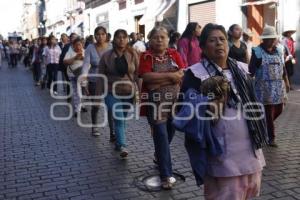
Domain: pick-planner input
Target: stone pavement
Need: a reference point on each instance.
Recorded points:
(45, 159)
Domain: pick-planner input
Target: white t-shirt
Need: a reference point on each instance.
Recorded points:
(139, 46)
(76, 64)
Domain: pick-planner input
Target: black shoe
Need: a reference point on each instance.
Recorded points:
(273, 144)
(155, 161)
(43, 85)
(112, 138)
(75, 115)
(83, 110)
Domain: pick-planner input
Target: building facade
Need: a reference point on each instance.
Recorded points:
(30, 19)
(44, 17)
(131, 15)
(64, 17)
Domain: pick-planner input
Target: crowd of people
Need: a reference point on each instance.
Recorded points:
(225, 152)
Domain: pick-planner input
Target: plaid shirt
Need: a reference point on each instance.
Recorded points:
(52, 55)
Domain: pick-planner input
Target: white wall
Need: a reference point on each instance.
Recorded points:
(182, 15)
(90, 22)
(288, 13)
(118, 19)
(55, 10)
(228, 12)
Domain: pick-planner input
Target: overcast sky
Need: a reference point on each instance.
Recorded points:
(10, 15)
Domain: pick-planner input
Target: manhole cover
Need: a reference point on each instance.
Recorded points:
(152, 183)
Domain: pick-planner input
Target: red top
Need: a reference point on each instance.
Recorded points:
(146, 65)
(291, 46)
(146, 60)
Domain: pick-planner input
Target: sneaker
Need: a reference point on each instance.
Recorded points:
(95, 132)
(55, 93)
(75, 115)
(167, 183)
(123, 152)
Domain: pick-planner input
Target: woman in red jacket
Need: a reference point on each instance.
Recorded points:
(161, 71)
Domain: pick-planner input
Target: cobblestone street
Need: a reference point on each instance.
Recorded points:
(46, 159)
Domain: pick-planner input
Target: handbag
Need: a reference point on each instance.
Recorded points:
(77, 72)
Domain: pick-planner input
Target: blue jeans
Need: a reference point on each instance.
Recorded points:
(163, 134)
(120, 124)
(75, 94)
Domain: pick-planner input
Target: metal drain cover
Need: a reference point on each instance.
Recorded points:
(152, 182)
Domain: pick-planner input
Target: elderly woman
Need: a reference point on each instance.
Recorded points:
(234, 172)
(160, 69)
(74, 61)
(271, 81)
(120, 66)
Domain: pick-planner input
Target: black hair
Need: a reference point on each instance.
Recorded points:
(63, 34)
(71, 35)
(98, 28)
(124, 32)
(49, 39)
(117, 32)
(108, 36)
(78, 39)
(206, 31)
(171, 32)
(174, 36)
(131, 34)
(189, 30)
(230, 30)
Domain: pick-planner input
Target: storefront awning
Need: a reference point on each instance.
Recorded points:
(262, 2)
(156, 10)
